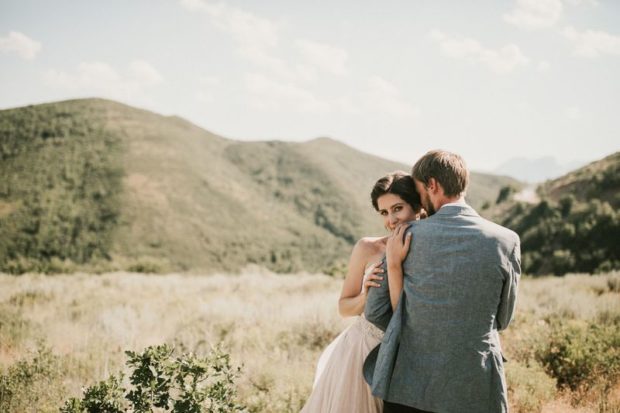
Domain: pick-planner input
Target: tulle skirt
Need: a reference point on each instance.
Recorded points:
(339, 385)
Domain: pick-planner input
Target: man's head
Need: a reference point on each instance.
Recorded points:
(440, 177)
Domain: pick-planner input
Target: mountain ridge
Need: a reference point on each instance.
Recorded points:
(97, 182)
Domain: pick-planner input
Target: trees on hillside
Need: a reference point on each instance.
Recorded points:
(567, 236)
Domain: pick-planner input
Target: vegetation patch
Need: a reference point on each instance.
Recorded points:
(33, 383)
(582, 356)
(61, 179)
(161, 381)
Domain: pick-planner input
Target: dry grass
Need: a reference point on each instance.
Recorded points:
(273, 325)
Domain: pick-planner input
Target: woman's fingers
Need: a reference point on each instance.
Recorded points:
(399, 231)
(408, 241)
(401, 235)
(374, 266)
(371, 284)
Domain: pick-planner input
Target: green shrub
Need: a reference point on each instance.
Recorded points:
(160, 381)
(32, 384)
(530, 387)
(105, 397)
(148, 265)
(581, 356)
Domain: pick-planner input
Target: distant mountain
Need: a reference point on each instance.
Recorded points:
(535, 170)
(98, 185)
(575, 225)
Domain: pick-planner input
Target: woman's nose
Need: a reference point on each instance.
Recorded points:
(393, 220)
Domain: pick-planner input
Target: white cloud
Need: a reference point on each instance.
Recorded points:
(21, 44)
(328, 58)
(541, 14)
(573, 112)
(543, 66)
(535, 14)
(345, 105)
(592, 43)
(580, 2)
(258, 40)
(383, 97)
(277, 83)
(142, 71)
(256, 37)
(270, 94)
(502, 60)
(210, 81)
(102, 79)
(248, 29)
(208, 86)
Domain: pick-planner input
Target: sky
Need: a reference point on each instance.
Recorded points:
(492, 80)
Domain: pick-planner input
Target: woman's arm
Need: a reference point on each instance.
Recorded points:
(395, 253)
(352, 301)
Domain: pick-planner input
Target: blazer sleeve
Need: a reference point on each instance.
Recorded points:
(507, 303)
(378, 308)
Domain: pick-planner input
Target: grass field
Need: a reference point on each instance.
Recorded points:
(563, 348)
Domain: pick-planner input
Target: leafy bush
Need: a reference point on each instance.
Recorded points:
(105, 396)
(581, 356)
(161, 381)
(32, 384)
(530, 387)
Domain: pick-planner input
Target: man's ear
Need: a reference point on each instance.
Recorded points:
(432, 185)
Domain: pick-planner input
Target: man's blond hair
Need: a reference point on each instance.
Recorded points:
(447, 168)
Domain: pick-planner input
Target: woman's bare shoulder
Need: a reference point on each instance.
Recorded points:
(371, 245)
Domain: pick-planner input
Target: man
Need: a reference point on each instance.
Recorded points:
(441, 351)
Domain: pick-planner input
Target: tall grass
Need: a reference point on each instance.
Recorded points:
(274, 327)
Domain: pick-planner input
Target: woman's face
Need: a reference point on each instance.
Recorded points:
(395, 211)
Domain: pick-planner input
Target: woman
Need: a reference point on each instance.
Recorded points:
(339, 384)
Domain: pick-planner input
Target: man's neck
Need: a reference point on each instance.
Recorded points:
(452, 200)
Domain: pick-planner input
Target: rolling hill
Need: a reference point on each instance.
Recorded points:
(597, 180)
(575, 227)
(97, 185)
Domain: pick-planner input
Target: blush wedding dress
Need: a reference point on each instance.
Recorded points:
(339, 385)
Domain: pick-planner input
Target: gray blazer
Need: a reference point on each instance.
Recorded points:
(441, 350)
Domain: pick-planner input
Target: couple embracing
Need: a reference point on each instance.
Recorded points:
(432, 297)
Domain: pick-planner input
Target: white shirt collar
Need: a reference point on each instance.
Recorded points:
(460, 202)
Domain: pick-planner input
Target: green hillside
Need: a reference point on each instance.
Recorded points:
(98, 185)
(575, 227)
(598, 180)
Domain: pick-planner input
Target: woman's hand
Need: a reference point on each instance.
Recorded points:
(397, 246)
(372, 274)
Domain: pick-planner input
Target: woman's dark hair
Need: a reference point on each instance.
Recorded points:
(398, 183)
